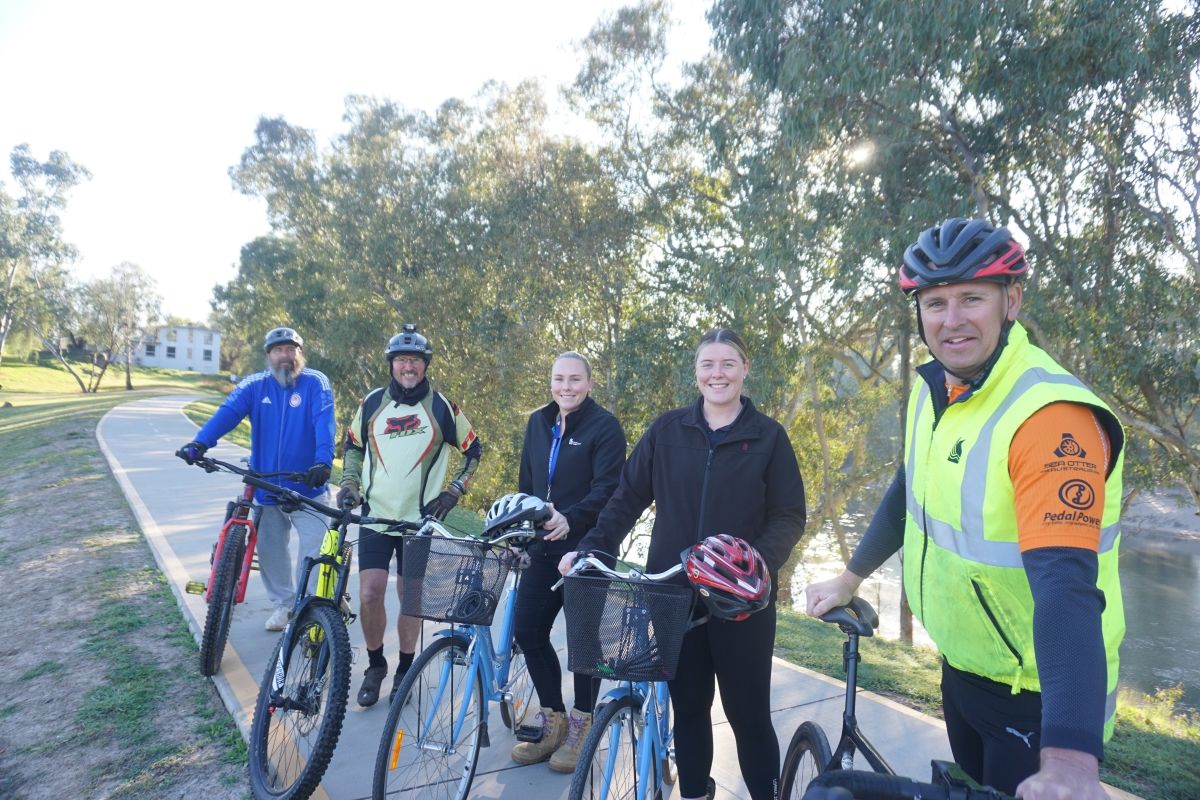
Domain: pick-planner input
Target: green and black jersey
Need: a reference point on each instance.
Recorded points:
(394, 451)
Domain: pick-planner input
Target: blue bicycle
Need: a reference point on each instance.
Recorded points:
(628, 627)
(439, 718)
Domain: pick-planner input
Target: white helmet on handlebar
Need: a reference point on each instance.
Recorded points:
(513, 509)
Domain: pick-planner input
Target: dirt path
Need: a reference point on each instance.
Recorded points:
(100, 695)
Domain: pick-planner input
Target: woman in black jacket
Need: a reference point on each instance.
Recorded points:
(717, 466)
(572, 457)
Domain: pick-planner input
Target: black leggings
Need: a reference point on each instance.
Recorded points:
(537, 607)
(738, 656)
(995, 735)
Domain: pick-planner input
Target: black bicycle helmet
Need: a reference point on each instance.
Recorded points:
(961, 250)
(282, 336)
(409, 341)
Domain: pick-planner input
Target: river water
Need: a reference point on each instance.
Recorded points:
(1160, 583)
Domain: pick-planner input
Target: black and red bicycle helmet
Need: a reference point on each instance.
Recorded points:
(730, 576)
(961, 250)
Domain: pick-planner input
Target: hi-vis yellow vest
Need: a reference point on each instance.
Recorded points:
(962, 565)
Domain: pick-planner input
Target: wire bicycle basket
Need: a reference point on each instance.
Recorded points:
(453, 580)
(628, 630)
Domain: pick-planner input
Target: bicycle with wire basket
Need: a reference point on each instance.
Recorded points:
(626, 627)
(812, 772)
(438, 720)
(302, 698)
(230, 565)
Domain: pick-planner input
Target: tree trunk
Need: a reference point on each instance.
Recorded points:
(128, 369)
(6, 314)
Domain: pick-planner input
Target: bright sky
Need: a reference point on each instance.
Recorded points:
(159, 99)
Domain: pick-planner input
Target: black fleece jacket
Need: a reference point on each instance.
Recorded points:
(749, 485)
(589, 463)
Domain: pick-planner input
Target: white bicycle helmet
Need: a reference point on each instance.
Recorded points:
(513, 509)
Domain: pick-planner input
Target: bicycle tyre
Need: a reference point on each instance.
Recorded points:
(520, 685)
(221, 601)
(601, 771)
(414, 758)
(807, 756)
(290, 748)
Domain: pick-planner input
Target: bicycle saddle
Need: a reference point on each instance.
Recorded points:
(857, 616)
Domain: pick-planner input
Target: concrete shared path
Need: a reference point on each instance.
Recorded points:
(179, 509)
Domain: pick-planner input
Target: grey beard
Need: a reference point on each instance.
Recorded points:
(284, 376)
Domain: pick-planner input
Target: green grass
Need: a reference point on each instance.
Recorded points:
(200, 411)
(48, 375)
(45, 668)
(1154, 753)
(139, 692)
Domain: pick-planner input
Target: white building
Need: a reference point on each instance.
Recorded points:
(181, 347)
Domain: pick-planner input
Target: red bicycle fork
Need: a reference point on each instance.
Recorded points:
(241, 516)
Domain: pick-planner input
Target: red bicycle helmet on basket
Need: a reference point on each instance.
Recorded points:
(730, 576)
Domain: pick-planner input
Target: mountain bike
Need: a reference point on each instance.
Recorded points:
(812, 772)
(231, 560)
(627, 627)
(438, 719)
(302, 698)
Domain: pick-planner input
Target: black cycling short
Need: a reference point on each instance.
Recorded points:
(375, 551)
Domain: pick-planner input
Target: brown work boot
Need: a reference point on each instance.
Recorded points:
(554, 729)
(567, 755)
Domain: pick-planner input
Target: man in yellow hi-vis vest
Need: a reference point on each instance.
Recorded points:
(1008, 508)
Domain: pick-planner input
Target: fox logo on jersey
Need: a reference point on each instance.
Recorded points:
(404, 426)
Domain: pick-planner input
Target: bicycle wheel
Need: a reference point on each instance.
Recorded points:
(425, 751)
(807, 756)
(294, 732)
(520, 686)
(608, 760)
(221, 601)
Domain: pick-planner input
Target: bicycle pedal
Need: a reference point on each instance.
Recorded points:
(194, 587)
(529, 733)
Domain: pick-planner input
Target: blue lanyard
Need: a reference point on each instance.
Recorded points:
(556, 432)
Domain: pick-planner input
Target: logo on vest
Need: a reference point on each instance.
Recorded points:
(408, 425)
(955, 452)
(1077, 494)
(1069, 448)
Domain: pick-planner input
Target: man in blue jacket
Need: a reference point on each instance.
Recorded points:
(291, 430)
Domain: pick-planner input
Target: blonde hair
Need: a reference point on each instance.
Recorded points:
(578, 357)
(724, 336)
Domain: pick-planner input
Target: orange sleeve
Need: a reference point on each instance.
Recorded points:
(1058, 460)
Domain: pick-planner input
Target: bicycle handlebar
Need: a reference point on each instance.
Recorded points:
(949, 783)
(255, 479)
(587, 562)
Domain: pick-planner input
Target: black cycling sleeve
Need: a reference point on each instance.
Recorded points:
(1068, 639)
(885, 534)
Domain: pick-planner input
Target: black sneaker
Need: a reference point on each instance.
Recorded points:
(712, 788)
(368, 693)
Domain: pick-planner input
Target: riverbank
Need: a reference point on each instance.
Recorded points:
(1160, 518)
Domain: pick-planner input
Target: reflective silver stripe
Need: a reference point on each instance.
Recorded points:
(1110, 705)
(944, 534)
(975, 470)
(914, 507)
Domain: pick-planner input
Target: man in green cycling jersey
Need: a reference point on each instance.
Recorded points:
(396, 459)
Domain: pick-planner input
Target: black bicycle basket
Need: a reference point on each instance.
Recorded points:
(452, 580)
(628, 630)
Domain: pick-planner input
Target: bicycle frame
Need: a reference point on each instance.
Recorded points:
(852, 738)
(487, 664)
